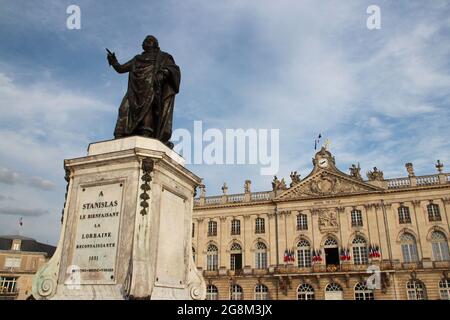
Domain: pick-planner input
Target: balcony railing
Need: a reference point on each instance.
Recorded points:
(261, 196)
(427, 180)
(398, 183)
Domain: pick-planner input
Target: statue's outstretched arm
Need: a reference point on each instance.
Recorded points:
(120, 68)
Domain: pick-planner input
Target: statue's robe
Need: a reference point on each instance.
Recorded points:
(147, 107)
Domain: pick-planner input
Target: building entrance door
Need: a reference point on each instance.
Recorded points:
(236, 261)
(332, 256)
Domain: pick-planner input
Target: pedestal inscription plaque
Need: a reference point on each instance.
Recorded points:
(95, 249)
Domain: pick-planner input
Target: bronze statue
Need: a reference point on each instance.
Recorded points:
(147, 107)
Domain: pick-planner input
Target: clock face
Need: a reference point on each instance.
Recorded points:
(323, 163)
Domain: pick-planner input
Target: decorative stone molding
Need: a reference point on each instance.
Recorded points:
(377, 205)
(328, 220)
(271, 215)
(416, 203)
(67, 178)
(340, 209)
(147, 168)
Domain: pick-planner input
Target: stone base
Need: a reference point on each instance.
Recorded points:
(126, 227)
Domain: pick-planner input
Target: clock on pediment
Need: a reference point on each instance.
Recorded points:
(323, 159)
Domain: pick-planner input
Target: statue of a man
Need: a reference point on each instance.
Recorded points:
(147, 107)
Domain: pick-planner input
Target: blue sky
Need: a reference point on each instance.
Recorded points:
(304, 67)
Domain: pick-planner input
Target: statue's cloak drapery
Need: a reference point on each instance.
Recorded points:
(148, 104)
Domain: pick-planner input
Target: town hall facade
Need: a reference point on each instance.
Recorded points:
(330, 235)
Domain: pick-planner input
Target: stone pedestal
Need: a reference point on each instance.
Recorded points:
(126, 231)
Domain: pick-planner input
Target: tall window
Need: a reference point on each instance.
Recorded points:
(302, 221)
(8, 284)
(260, 225)
(416, 290)
(261, 256)
(305, 292)
(360, 251)
(362, 292)
(236, 292)
(444, 289)
(433, 212)
(235, 256)
(193, 253)
(409, 248)
(357, 218)
(212, 228)
(193, 229)
(403, 215)
(235, 227)
(212, 293)
(261, 292)
(303, 254)
(440, 246)
(212, 258)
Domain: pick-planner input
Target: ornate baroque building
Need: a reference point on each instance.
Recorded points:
(329, 235)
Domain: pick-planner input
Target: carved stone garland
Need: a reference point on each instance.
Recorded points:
(147, 168)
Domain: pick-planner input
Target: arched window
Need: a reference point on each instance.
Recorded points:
(416, 290)
(193, 253)
(303, 254)
(305, 292)
(409, 248)
(362, 292)
(212, 228)
(235, 227)
(260, 225)
(235, 257)
(433, 212)
(302, 221)
(333, 291)
(357, 218)
(330, 243)
(236, 292)
(212, 258)
(403, 215)
(261, 292)
(440, 246)
(261, 256)
(333, 287)
(360, 251)
(444, 289)
(212, 293)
